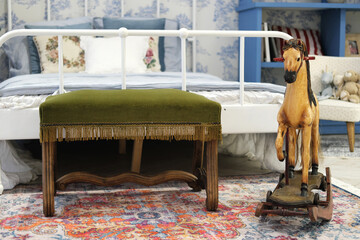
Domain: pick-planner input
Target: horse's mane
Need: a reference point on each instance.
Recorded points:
(300, 46)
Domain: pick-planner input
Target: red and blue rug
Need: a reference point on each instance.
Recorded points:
(167, 211)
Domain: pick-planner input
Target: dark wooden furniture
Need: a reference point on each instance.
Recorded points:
(200, 178)
(200, 133)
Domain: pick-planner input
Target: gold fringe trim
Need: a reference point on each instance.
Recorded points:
(190, 132)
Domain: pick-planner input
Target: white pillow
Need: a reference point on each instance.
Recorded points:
(103, 55)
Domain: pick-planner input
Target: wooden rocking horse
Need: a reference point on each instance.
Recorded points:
(300, 110)
(299, 114)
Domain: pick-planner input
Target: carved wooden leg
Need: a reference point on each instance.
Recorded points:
(122, 146)
(351, 134)
(55, 166)
(48, 178)
(198, 156)
(212, 191)
(136, 157)
(197, 166)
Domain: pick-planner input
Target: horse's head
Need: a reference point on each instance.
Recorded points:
(294, 53)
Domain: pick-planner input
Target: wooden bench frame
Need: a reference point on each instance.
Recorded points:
(197, 180)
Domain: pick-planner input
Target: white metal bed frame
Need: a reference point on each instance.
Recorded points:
(122, 4)
(235, 119)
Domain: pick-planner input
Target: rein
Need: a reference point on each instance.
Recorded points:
(282, 59)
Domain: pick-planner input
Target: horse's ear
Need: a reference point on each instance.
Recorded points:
(299, 42)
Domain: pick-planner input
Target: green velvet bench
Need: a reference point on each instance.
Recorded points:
(159, 114)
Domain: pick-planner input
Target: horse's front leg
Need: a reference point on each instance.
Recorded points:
(305, 158)
(292, 150)
(280, 141)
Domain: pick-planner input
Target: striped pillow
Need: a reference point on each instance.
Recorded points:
(309, 36)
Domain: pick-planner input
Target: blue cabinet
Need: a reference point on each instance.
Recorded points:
(332, 30)
(332, 37)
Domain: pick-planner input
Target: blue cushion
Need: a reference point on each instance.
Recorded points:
(17, 52)
(4, 66)
(172, 45)
(98, 23)
(140, 23)
(75, 23)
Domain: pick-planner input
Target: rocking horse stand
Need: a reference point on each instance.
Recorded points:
(286, 199)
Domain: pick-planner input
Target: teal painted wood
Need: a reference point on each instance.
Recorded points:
(272, 65)
(332, 127)
(251, 20)
(333, 24)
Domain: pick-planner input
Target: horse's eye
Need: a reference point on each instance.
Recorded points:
(298, 59)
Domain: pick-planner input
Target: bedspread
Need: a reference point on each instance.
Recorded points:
(37, 84)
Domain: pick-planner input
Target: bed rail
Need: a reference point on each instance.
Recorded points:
(124, 33)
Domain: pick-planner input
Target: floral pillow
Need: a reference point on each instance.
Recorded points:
(73, 55)
(151, 58)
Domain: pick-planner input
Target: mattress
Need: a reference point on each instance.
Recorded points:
(27, 91)
(222, 97)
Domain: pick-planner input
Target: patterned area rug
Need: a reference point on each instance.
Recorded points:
(338, 146)
(167, 211)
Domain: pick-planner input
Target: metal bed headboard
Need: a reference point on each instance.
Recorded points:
(122, 2)
(123, 33)
(183, 33)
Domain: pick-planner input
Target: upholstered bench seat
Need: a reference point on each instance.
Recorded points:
(337, 110)
(129, 114)
(161, 114)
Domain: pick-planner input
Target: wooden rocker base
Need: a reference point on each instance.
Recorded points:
(286, 199)
(199, 179)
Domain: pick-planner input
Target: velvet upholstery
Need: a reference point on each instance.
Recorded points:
(129, 106)
(154, 113)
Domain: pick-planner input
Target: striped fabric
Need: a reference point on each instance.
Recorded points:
(309, 36)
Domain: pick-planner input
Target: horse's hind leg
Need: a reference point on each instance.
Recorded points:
(315, 136)
(305, 158)
(292, 150)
